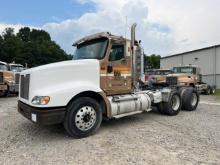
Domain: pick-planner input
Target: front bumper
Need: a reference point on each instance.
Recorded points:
(14, 88)
(3, 87)
(43, 116)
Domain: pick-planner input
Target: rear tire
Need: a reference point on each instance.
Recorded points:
(83, 117)
(213, 90)
(173, 106)
(208, 90)
(160, 108)
(190, 99)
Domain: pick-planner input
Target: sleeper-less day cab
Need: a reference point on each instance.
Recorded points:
(9, 78)
(103, 81)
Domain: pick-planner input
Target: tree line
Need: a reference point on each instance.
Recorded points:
(152, 61)
(34, 47)
(30, 46)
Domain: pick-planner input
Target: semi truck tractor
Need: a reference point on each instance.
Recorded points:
(156, 77)
(103, 81)
(190, 75)
(9, 78)
(3, 75)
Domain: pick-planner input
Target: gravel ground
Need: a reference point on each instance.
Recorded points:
(148, 138)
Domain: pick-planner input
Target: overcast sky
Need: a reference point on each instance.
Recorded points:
(165, 26)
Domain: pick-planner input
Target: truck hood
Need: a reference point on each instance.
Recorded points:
(8, 76)
(180, 74)
(62, 78)
(183, 77)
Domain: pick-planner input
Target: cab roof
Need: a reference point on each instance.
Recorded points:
(162, 70)
(4, 63)
(193, 66)
(15, 65)
(97, 36)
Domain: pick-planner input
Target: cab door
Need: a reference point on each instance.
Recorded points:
(118, 77)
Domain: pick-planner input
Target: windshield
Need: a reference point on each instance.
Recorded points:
(3, 67)
(17, 68)
(94, 49)
(162, 72)
(183, 70)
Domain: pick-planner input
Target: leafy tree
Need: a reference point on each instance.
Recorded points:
(33, 47)
(1, 40)
(9, 45)
(152, 61)
(8, 33)
(39, 35)
(24, 34)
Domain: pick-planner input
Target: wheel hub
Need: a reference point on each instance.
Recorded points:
(213, 91)
(175, 102)
(194, 99)
(85, 118)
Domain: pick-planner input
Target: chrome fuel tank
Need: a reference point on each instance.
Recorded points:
(123, 104)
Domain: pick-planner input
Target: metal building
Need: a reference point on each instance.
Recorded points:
(208, 59)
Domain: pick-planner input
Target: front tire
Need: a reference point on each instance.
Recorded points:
(208, 90)
(213, 90)
(83, 117)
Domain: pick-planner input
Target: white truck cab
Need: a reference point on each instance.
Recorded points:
(3, 66)
(15, 67)
(102, 81)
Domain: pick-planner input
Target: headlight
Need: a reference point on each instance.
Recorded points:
(182, 83)
(11, 83)
(41, 100)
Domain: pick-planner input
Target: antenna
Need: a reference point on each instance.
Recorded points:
(126, 22)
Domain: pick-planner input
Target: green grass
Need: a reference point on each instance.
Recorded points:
(217, 92)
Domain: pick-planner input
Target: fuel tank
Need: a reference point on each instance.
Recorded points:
(122, 104)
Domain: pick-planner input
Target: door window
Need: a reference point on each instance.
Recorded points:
(117, 52)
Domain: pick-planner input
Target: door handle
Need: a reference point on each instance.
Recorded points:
(109, 69)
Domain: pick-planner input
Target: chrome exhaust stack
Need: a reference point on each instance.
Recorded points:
(133, 35)
(134, 77)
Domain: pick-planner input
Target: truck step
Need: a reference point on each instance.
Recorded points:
(123, 98)
(127, 114)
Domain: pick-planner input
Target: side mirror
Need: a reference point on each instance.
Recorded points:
(109, 69)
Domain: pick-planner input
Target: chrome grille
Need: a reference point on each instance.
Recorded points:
(1, 77)
(24, 86)
(172, 80)
(17, 78)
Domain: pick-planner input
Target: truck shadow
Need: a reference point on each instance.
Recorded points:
(129, 119)
(57, 132)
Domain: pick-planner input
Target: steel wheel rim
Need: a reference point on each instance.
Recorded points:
(194, 99)
(209, 91)
(175, 102)
(213, 91)
(85, 118)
